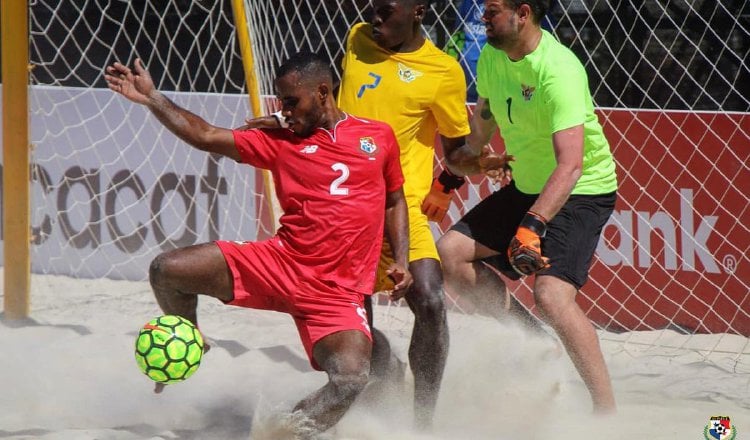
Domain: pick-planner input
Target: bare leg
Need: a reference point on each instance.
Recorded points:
(467, 276)
(345, 357)
(428, 349)
(177, 278)
(383, 364)
(556, 301)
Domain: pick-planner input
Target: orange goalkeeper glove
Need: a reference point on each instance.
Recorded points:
(525, 250)
(436, 204)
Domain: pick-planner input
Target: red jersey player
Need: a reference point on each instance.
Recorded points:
(331, 186)
(338, 179)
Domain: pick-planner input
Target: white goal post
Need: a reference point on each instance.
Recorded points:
(110, 188)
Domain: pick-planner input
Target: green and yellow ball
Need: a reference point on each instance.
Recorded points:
(169, 349)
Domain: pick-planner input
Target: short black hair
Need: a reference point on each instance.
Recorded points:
(426, 3)
(423, 2)
(308, 65)
(538, 7)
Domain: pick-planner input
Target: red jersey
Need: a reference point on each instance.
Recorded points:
(332, 187)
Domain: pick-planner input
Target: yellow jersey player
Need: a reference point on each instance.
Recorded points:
(392, 73)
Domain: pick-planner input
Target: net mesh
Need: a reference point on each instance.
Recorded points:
(112, 188)
(670, 82)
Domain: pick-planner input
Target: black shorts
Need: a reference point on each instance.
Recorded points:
(570, 242)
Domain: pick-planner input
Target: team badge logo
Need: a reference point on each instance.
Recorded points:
(367, 144)
(407, 74)
(719, 428)
(527, 92)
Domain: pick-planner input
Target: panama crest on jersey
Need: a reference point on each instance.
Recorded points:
(720, 428)
(367, 144)
(407, 74)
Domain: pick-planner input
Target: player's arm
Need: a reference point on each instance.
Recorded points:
(463, 159)
(474, 155)
(568, 147)
(397, 234)
(137, 86)
(525, 252)
(436, 203)
(465, 156)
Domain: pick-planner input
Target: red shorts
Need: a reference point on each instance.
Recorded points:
(266, 277)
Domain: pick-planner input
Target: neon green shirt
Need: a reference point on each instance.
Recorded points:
(545, 92)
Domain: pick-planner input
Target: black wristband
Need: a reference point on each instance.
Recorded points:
(535, 222)
(450, 181)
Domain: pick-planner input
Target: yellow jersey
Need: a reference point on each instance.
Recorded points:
(419, 94)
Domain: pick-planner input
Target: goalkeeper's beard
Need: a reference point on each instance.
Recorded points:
(502, 41)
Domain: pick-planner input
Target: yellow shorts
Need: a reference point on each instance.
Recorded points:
(421, 245)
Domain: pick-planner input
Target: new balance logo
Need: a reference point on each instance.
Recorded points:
(309, 149)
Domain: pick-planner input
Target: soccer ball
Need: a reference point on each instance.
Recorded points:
(169, 349)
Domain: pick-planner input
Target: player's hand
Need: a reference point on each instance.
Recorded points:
(402, 281)
(281, 120)
(525, 250)
(274, 120)
(136, 84)
(495, 166)
(437, 201)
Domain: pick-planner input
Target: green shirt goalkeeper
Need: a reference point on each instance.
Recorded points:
(547, 220)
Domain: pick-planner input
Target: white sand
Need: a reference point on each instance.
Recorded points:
(69, 373)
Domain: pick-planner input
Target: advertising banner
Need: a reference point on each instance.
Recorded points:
(675, 251)
(111, 188)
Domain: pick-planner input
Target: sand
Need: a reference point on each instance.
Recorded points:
(69, 373)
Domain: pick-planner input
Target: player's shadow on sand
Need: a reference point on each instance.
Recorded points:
(224, 422)
(28, 322)
(25, 433)
(234, 348)
(276, 353)
(283, 354)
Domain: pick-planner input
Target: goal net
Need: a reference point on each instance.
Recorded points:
(111, 188)
(671, 87)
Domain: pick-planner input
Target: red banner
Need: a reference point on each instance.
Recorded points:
(683, 199)
(675, 253)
